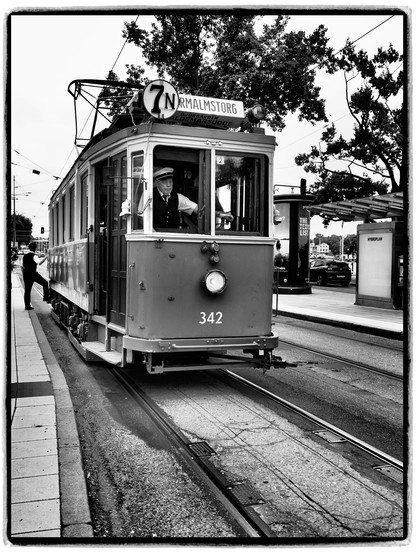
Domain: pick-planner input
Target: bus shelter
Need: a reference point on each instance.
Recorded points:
(381, 250)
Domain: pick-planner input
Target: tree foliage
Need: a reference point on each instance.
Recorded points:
(334, 243)
(232, 57)
(237, 57)
(371, 161)
(24, 228)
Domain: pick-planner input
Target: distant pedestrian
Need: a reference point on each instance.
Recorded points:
(30, 275)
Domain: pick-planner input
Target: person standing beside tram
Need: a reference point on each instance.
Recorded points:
(30, 275)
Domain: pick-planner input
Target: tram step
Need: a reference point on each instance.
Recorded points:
(97, 348)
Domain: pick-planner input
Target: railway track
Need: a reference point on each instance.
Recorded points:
(392, 465)
(247, 505)
(345, 361)
(197, 455)
(357, 336)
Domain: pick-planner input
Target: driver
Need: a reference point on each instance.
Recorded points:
(167, 203)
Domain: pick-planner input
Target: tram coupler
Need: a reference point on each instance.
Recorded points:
(276, 362)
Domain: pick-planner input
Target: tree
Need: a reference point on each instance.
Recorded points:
(350, 244)
(334, 243)
(24, 228)
(371, 162)
(225, 56)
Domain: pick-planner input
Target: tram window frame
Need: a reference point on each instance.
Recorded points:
(138, 186)
(51, 226)
(71, 212)
(63, 217)
(190, 179)
(262, 196)
(123, 190)
(84, 205)
(58, 222)
(115, 193)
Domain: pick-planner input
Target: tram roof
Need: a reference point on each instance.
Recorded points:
(382, 206)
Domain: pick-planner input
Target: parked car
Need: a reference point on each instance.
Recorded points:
(324, 271)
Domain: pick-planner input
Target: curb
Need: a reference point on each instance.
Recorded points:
(386, 333)
(75, 512)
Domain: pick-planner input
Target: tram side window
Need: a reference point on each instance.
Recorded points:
(138, 188)
(240, 185)
(84, 205)
(116, 193)
(71, 212)
(51, 227)
(57, 221)
(63, 219)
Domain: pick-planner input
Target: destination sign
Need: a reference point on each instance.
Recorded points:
(162, 101)
(210, 112)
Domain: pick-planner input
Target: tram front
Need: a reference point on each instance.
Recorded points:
(199, 246)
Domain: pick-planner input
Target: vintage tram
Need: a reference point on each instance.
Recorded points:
(189, 294)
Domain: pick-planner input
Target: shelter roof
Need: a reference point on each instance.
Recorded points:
(382, 206)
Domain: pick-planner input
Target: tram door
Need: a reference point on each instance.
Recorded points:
(112, 245)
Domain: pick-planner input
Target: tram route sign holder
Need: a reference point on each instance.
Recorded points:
(160, 99)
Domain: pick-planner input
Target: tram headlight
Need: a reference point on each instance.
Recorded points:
(215, 281)
(256, 113)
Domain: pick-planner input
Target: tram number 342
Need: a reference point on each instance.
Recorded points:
(214, 318)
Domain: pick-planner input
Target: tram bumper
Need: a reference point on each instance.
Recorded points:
(180, 354)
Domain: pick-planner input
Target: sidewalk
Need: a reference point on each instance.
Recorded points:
(338, 309)
(48, 495)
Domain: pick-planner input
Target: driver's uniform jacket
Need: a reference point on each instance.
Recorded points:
(166, 214)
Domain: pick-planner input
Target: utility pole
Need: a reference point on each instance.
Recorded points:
(14, 211)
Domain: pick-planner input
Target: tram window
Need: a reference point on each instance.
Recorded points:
(84, 205)
(240, 189)
(57, 223)
(116, 193)
(138, 188)
(52, 227)
(71, 212)
(188, 183)
(63, 218)
(123, 191)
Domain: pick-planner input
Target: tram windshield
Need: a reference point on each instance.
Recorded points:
(235, 189)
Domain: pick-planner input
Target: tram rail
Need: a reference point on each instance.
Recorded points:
(324, 426)
(346, 361)
(196, 455)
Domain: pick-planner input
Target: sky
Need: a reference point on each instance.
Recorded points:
(48, 51)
